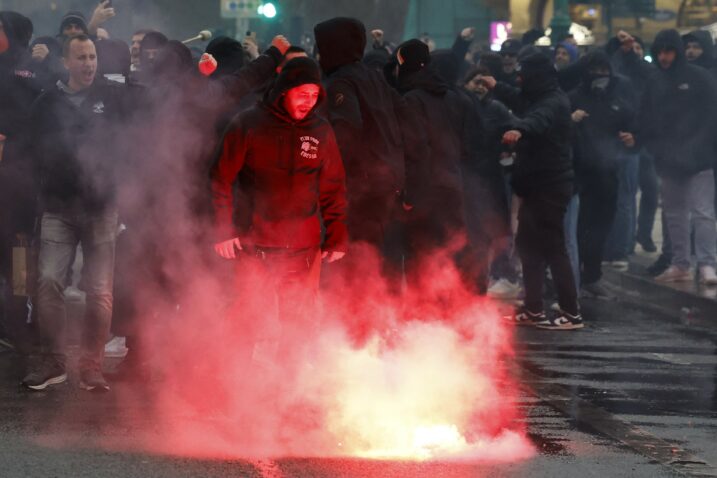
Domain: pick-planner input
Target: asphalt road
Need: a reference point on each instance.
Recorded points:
(633, 394)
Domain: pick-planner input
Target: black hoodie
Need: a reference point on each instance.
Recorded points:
(290, 173)
(364, 112)
(678, 113)
(597, 146)
(543, 156)
(706, 60)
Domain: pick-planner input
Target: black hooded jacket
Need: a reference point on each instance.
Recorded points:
(678, 113)
(596, 145)
(364, 111)
(543, 155)
(290, 173)
(706, 60)
(444, 119)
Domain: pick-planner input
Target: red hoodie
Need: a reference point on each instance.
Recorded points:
(290, 172)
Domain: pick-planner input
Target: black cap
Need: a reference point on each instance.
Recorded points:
(412, 56)
(298, 71)
(76, 18)
(511, 47)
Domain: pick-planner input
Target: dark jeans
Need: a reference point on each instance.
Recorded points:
(621, 239)
(598, 204)
(60, 234)
(541, 242)
(649, 196)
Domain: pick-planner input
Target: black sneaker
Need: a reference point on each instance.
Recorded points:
(562, 321)
(659, 266)
(522, 316)
(91, 379)
(48, 372)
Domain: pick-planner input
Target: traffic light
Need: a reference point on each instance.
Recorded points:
(267, 9)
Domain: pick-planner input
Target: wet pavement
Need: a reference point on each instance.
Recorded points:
(633, 394)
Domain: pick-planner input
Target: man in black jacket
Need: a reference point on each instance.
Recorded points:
(676, 123)
(18, 181)
(75, 125)
(367, 116)
(543, 179)
(604, 122)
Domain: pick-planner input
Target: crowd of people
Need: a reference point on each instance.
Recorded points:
(521, 161)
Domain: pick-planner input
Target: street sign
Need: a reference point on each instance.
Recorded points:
(240, 8)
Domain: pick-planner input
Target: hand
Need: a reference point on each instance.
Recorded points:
(407, 207)
(488, 81)
(377, 35)
(332, 256)
(227, 249)
(468, 34)
(40, 52)
(511, 137)
(579, 115)
(207, 64)
(281, 43)
(626, 40)
(251, 47)
(627, 139)
(102, 13)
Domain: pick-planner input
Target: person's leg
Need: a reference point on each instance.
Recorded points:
(677, 221)
(632, 185)
(598, 202)
(98, 238)
(622, 232)
(570, 223)
(701, 193)
(528, 244)
(648, 200)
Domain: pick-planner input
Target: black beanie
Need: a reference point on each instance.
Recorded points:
(412, 56)
(74, 17)
(229, 54)
(298, 71)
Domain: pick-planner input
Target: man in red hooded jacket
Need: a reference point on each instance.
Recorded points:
(291, 179)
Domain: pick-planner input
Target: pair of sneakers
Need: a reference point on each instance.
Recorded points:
(558, 320)
(707, 275)
(52, 372)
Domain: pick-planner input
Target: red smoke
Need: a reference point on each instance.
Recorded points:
(365, 373)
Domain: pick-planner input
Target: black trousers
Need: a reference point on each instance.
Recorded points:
(598, 205)
(541, 242)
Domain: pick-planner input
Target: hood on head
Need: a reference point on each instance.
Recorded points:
(340, 41)
(74, 17)
(571, 49)
(537, 73)
(413, 55)
(669, 40)
(18, 29)
(511, 47)
(298, 71)
(229, 54)
(593, 60)
(704, 38)
(173, 60)
(113, 57)
(446, 65)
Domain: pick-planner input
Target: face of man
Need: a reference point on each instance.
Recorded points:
(134, 49)
(300, 100)
(693, 50)
(72, 30)
(562, 57)
(510, 61)
(666, 58)
(477, 86)
(290, 56)
(147, 57)
(81, 64)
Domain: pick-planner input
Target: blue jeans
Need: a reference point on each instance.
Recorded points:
(621, 240)
(571, 237)
(60, 234)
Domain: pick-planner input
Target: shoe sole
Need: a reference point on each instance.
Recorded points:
(94, 388)
(50, 381)
(562, 327)
(675, 279)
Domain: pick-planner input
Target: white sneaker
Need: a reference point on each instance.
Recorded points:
(504, 289)
(116, 348)
(620, 266)
(675, 274)
(708, 276)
